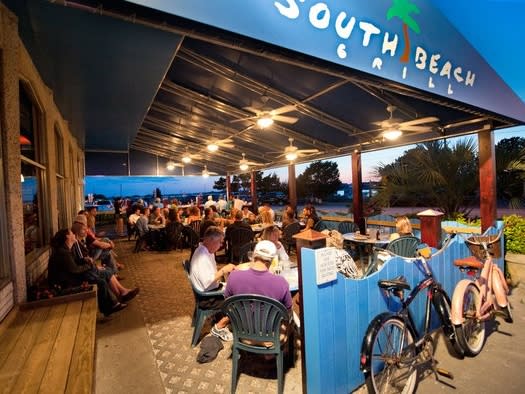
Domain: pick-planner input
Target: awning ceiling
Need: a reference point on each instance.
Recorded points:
(131, 79)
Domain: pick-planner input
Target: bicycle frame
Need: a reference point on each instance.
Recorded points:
(492, 287)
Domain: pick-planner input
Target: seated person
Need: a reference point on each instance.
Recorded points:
(237, 224)
(247, 215)
(403, 228)
(99, 248)
(64, 271)
(207, 221)
(288, 216)
(205, 276)
(272, 234)
(257, 279)
(157, 217)
(265, 218)
(310, 217)
(195, 215)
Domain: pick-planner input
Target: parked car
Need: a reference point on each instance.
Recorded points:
(274, 198)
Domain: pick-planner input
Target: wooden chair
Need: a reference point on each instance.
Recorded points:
(256, 326)
(199, 314)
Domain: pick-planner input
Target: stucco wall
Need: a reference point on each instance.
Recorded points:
(17, 66)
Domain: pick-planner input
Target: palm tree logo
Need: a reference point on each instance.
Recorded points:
(402, 9)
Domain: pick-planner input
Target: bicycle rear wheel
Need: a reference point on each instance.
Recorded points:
(471, 333)
(393, 359)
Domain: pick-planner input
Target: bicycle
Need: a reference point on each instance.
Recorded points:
(392, 348)
(477, 300)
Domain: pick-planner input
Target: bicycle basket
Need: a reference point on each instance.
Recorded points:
(494, 248)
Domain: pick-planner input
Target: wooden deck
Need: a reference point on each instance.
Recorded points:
(49, 347)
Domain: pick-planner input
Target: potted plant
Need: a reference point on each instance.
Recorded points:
(515, 248)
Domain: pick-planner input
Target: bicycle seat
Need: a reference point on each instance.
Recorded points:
(470, 262)
(399, 283)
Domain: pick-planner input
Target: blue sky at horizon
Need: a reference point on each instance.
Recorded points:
(498, 42)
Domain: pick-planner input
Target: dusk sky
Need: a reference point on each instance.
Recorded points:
(499, 42)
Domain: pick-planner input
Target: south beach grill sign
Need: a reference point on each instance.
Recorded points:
(348, 27)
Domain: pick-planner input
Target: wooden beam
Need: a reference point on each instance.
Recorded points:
(292, 186)
(487, 179)
(357, 186)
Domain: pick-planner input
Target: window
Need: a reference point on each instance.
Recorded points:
(60, 179)
(33, 172)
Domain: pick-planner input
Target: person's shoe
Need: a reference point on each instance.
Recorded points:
(222, 333)
(132, 294)
(117, 307)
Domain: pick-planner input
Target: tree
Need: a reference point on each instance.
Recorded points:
(269, 183)
(220, 184)
(402, 10)
(432, 174)
(510, 170)
(319, 179)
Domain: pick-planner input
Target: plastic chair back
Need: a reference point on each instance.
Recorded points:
(346, 227)
(404, 246)
(320, 226)
(199, 314)
(238, 237)
(256, 326)
(287, 236)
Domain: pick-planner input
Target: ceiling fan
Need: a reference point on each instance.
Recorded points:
(292, 152)
(244, 164)
(215, 143)
(392, 128)
(187, 157)
(170, 165)
(206, 173)
(265, 116)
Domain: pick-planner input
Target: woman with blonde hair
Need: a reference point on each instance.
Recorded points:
(403, 228)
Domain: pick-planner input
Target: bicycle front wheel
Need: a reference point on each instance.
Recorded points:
(393, 359)
(471, 333)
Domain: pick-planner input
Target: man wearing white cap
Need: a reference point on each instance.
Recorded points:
(258, 279)
(210, 202)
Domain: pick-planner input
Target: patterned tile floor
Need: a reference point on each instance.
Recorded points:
(166, 305)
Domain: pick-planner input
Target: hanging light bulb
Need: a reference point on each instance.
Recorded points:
(22, 178)
(186, 158)
(243, 166)
(213, 147)
(170, 165)
(265, 121)
(291, 156)
(392, 135)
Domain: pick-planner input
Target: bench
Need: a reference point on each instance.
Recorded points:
(48, 346)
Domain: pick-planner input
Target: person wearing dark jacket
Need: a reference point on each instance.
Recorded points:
(64, 271)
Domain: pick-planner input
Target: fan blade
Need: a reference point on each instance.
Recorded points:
(428, 119)
(282, 110)
(243, 119)
(285, 119)
(304, 151)
(252, 109)
(416, 128)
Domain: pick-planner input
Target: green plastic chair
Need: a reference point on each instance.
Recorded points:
(199, 314)
(256, 326)
(346, 227)
(404, 246)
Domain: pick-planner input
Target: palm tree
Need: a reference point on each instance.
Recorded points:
(432, 174)
(402, 10)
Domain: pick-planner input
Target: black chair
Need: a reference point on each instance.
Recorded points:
(199, 314)
(244, 250)
(196, 226)
(132, 230)
(191, 238)
(257, 328)
(237, 237)
(287, 235)
(174, 235)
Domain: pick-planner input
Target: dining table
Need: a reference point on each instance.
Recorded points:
(366, 242)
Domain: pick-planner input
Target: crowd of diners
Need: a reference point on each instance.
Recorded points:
(145, 220)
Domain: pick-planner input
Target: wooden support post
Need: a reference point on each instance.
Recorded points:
(253, 191)
(357, 186)
(228, 188)
(292, 187)
(487, 179)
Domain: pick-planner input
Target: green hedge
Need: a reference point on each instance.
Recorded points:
(514, 234)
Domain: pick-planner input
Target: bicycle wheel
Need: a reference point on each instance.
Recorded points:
(471, 333)
(393, 359)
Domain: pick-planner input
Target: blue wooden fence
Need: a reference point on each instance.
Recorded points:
(337, 314)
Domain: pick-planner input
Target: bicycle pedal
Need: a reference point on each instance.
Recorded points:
(445, 373)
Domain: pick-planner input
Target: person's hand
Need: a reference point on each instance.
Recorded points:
(228, 268)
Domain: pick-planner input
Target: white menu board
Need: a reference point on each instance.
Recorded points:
(325, 266)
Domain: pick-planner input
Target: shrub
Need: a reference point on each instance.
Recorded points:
(514, 234)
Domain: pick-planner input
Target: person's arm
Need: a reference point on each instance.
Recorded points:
(70, 265)
(224, 270)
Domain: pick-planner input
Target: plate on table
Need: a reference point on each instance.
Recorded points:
(361, 236)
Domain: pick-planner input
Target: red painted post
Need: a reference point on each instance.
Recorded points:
(431, 227)
(487, 179)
